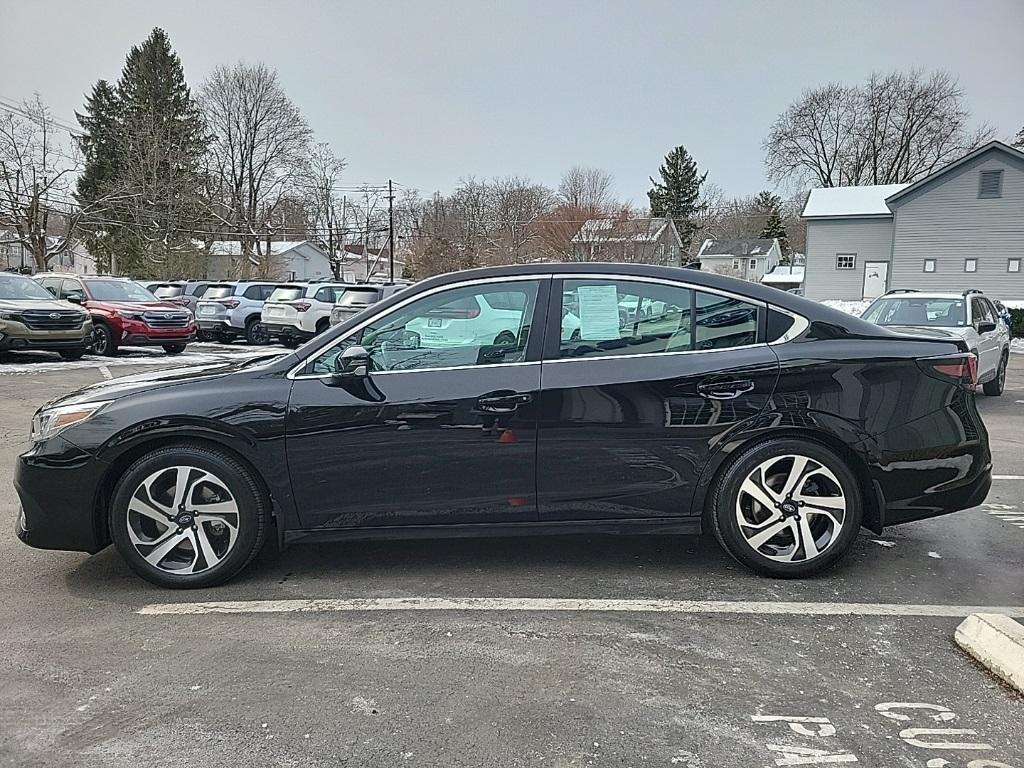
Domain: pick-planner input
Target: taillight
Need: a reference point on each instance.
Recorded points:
(301, 306)
(962, 368)
(230, 303)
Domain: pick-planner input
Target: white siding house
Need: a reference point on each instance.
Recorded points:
(749, 259)
(961, 227)
(291, 260)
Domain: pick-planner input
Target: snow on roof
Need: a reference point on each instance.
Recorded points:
(621, 230)
(234, 247)
(754, 247)
(850, 201)
(784, 273)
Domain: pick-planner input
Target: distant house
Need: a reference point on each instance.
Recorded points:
(747, 259)
(361, 264)
(960, 227)
(290, 260)
(785, 277)
(15, 257)
(643, 241)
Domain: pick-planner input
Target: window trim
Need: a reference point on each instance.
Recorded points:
(981, 183)
(933, 270)
(973, 261)
(1011, 261)
(853, 262)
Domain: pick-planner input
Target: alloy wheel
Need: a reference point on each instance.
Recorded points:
(99, 342)
(183, 520)
(791, 508)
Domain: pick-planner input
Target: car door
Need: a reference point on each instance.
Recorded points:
(439, 430)
(988, 342)
(633, 402)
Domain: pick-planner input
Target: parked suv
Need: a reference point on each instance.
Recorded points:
(297, 313)
(31, 318)
(970, 316)
(183, 292)
(229, 311)
(124, 313)
(359, 297)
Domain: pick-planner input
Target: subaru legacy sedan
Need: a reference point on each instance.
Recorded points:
(777, 424)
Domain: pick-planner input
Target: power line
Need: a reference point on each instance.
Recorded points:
(12, 108)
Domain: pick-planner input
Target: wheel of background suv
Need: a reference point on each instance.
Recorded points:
(290, 341)
(995, 387)
(505, 338)
(188, 516)
(255, 333)
(323, 324)
(174, 349)
(72, 354)
(787, 508)
(103, 342)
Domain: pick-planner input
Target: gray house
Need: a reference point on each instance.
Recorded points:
(961, 227)
(641, 241)
(748, 259)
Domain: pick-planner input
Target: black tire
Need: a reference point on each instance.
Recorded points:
(323, 324)
(255, 333)
(723, 508)
(290, 341)
(996, 386)
(250, 498)
(174, 349)
(505, 339)
(103, 341)
(72, 354)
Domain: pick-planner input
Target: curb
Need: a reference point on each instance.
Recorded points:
(997, 642)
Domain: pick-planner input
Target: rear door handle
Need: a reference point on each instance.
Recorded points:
(725, 390)
(503, 402)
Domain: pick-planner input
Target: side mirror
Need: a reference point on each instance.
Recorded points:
(986, 326)
(76, 298)
(353, 363)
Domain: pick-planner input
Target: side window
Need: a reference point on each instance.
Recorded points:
(623, 317)
(255, 292)
(324, 294)
(71, 287)
(456, 327)
(199, 290)
(724, 322)
(979, 312)
(52, 284)
(265, 291)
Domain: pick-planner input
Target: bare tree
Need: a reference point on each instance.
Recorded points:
(895, 128)
(258, 155)
(587, 189)
(323, 203)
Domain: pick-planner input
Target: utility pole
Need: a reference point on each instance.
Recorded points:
(391, 232)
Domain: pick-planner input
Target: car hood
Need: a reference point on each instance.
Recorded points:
(147, 382)
(136, 306)
(10, 305)
(931, 333)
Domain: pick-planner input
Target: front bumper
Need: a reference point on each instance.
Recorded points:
(152, 340)
(16, 343)
(58, 485)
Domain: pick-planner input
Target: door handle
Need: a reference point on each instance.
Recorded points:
(725, 390)
(502, 402)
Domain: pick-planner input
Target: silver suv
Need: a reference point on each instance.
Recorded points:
(970, 316)
(228, 311)
(359, 297)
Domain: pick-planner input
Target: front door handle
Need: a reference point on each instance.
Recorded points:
(725, 390)
(503, 402)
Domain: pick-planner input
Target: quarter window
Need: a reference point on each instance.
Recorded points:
(970, 265)
(71, 288)
(846, 260)
(724, 322)
(459, 327)
(929, 265)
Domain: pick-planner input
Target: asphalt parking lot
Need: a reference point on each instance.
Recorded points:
(381, 654)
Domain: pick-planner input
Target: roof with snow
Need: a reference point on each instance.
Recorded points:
(784, 273)
(234, 247)
(736, 248)
(622, 230)
(850, 201)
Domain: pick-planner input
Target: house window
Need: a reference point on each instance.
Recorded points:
(753, 263)
(846, 260)
(735, 263)
(1013, 265)
(970, 265)
(990, 184)
(929, 265)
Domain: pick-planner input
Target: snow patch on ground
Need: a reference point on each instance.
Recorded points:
(855, 308)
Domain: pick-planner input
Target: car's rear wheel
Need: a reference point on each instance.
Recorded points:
(256, 332)
(996, 386)
(103, 341)
(787, 508)
(323, 324)
(505, 339)
(174, 349)
(188, 516)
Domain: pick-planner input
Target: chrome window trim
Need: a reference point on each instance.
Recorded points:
(800, 323)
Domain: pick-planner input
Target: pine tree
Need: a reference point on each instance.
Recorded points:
(1019, 141)
(99, 144)
(771, 205)
(677, 195)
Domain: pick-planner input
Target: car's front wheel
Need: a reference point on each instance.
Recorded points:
(787, 508)
(996, 386)
(103, 341)
(174, 349)
(188, 516)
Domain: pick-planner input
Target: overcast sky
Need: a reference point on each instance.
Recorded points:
(428, 92)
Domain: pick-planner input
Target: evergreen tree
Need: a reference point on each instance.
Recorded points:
(771, 205)
(677, 194)
(100, 149)
(1019, 141)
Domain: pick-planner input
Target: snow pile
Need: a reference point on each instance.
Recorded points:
(855, 308)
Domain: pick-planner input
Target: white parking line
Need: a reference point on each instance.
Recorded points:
(105, 372)
(1008, 477)
(554, 604)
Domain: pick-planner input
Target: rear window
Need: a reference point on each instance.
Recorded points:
(167, 291)
(218, 291)
(287, 293)
(359, 296)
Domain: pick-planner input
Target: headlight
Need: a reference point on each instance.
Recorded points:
(128, 314)
(50, 421)
(10, 316)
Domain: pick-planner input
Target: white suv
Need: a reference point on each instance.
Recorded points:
(969, 315)
(295, 313)
(484, 319)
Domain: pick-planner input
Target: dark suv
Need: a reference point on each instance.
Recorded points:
(124, 313)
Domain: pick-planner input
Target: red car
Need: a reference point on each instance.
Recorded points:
(124, 313)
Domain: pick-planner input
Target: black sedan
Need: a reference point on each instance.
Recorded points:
(551, 398)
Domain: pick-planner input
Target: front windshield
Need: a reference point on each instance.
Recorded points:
(359, 296)
(287, 293)
(16, 287)
(118, 290)
(918, 311)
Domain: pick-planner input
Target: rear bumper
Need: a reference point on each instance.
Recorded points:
(219, 326)
(282, 331)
